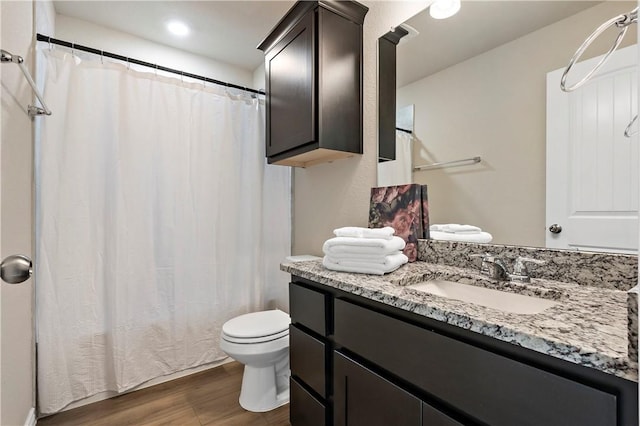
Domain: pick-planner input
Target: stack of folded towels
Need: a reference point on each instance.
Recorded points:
(456, 232)
(364, 251)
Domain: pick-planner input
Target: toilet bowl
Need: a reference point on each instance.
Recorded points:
(260, 341)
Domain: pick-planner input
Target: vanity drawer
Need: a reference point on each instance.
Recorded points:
(308, 308)
(483, 385)
(307, 358)
(305, 409)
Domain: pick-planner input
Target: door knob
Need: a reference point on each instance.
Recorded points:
(15, 269)
(555, 228)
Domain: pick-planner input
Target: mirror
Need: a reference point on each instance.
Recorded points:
(478, 84)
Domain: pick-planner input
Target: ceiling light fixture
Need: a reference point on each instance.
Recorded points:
(178, 28)
(442, 9)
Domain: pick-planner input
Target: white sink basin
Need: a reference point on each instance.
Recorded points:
(501, 300)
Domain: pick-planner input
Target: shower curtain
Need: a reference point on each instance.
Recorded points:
(157, 220)
(399, 171)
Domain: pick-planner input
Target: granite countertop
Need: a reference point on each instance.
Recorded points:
(588, 326)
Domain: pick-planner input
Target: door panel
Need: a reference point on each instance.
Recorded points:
(16, 171)
(592, 168)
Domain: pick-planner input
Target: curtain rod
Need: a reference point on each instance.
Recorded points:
(50, 40)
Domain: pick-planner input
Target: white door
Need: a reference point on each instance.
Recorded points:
(16, 141)
(592, 168)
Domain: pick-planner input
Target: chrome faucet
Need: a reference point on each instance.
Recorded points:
(495, 268)
(520, 271)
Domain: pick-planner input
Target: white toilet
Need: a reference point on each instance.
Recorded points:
(260, 341)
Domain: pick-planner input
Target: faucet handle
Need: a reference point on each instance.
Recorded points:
(521, 264)
(486, 257)
(520, 271)
(493, 266)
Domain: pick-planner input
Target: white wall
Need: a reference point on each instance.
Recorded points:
(336, 194)
(259, 78)
(86, 33)
(494, 106)
(16, 338)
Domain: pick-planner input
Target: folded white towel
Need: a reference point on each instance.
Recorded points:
(385, 233)
(479, 237)
(349, 259)
(394, 262)
(455, 228)
(352, 245)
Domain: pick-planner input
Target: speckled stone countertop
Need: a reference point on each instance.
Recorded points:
(588, 326)
(605, 270)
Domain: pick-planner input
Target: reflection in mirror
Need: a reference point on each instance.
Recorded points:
(398, 172)
(486, 83)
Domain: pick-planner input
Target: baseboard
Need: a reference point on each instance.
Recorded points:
(31, 418)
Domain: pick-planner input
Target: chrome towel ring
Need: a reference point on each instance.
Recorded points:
(627, 132)
(620, 21)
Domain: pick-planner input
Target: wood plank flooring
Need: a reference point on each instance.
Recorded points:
(206, 398)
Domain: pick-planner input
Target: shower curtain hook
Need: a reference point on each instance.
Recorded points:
(73, 50)
(182, 76)
(156, 70)
(102, 57)
(50, 45)
(128, 64)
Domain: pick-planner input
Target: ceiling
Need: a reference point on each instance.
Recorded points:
(227, 31)
(479, 27)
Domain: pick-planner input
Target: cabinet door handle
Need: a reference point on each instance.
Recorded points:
(346, 400)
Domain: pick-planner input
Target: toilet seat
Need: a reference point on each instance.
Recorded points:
(257, 327)
(254, 340)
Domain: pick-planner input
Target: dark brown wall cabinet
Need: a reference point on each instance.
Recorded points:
(356, 362)
(387, 93)
(313, 67)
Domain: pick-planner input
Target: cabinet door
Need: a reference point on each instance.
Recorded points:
(433, 417)
(291, 88)
(362, 398)
(491, 388)
(304, 408)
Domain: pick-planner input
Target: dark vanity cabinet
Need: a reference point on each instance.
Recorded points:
(357, 362)
(308, 355)
(313, 67)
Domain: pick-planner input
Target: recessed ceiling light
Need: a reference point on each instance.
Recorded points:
(178, 28)
(441, 9)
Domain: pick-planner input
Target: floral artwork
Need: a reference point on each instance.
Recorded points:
(399, 207)
(425, 213)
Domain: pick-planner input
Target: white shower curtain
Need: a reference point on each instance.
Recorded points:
(157, 221)
(398, 171)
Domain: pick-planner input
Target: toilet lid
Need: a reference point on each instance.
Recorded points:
(253, 340)
(257, 324)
